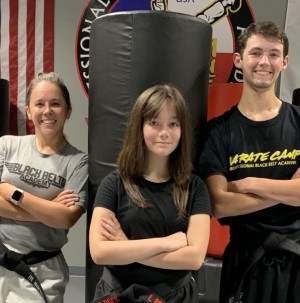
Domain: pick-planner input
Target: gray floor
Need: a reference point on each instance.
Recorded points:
(75, 292)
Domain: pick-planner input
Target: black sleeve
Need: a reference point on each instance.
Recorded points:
(107, 193)
(214, 154)
(199, 197)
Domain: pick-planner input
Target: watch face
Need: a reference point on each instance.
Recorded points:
(17, 195)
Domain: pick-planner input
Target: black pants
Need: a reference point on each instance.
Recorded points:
(274, 278)
(183, 291)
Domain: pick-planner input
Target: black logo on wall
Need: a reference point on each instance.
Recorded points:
(228, 18)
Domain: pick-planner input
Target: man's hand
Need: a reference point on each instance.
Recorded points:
(296, 175)
(240, 186)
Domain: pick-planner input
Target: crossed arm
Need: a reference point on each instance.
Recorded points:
(109, 244)
(255, 194)
(61, 214)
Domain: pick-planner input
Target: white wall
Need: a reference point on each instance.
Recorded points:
(67, 18)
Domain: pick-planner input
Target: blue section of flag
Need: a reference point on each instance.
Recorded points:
(131, 5)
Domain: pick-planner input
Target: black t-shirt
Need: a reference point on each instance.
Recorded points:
(239, 147)
(158, 220)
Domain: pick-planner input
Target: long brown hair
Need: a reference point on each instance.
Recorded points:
(132, 157)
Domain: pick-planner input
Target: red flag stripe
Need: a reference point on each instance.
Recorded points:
(27, 48)
(13, 64)
(30, 32)
(49, 36)
(22, 66)
(31, 50)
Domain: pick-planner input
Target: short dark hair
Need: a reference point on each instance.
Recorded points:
(265, 29)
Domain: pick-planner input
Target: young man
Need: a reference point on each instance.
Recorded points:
(250, 162)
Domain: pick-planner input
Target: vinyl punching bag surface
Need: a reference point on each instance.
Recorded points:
(296, 96)
(4, 107)
(129, 52)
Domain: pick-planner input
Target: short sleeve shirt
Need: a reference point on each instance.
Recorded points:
(159, 219)
(45, 176)
(240, 148)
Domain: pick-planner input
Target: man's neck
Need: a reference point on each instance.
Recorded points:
(259, 105)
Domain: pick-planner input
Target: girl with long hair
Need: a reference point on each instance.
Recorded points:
(151, 217)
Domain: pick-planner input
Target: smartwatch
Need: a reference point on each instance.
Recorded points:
(16, 196)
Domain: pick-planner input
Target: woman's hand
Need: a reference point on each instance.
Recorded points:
(6, 190)
(112, 230)
(66, 197)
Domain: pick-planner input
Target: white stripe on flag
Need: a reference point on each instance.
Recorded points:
(22, 33)
(39, 37)
(4, 68)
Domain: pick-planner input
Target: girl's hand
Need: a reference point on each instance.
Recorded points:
(176, 241)
(111, 229)
(66, 197)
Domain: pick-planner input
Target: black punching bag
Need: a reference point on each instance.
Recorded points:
(4, 107)
(296, 97)
(129, 52)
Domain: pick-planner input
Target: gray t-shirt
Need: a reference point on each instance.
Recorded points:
(45, 176)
